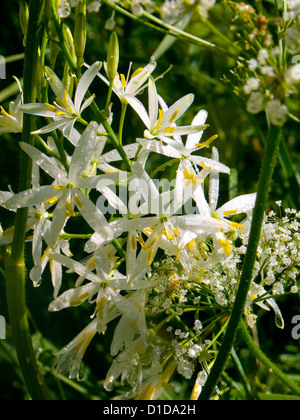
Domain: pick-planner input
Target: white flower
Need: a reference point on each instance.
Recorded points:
(12, 121)
(277, 112)
(70, 357)
(65, 192)
(255, 103)
(64, 111)
(251, 85)
(161, 123)
(123, 87)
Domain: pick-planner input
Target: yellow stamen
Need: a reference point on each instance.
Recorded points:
(138, 71)
(226, 245)
(66, 96)
(168, 234)
(207, 142)
(174, 116)
(123, 81)
(58, 187)
(169, 130)
(78, 202)
(237, 225)
(100, 307)
(133, 242)
(229, 212)
(203, 165)
(161, 114)
(150, 256)
(79, 300)
(152, 243)
(4, 113)
(51, 201)
(58, 114)
(50, 107)
(61, 103)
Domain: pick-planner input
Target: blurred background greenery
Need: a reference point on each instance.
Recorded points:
(240, 146)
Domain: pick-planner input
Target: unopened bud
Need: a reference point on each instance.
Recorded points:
(24, 18)
(69, 41)
(80, 32)
(113, 57)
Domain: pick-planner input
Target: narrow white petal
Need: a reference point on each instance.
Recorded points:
(242, 204)
(179, 107)
(31, 197)
(84, 152)
(139, 109)
(36, 109)
(48, 164)
(153, 102)
(57, 86)
(199, 120)
(84, 84)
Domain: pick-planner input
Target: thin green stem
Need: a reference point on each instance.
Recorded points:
(167, 29)
(121, 125)
(246, 277)
(15, 267)
(266, 361)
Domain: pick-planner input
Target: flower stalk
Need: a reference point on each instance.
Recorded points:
(246, 277)
(15, 267)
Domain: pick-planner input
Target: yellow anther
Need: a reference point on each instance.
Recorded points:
(174, 116)
(203, 164)
(150, 256)
(61, 103)
(123, 81)
(100, 307)
(229, 212)
(50, 107)
(78, 202)
(133, 242)
(238, 225)
(207, 142)
(169, 130)
(58, 187)
(78, 301)
(51, 201)
(4, 113)
(161, 114)
(226, 245)
(66, 96)
(138, 71)
(152, 243)
(59, 114)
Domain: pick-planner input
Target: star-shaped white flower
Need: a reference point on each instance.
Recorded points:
(123, 87)
(65, 191)
(64, 111)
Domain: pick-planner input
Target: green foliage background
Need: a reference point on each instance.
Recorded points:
(240, 146)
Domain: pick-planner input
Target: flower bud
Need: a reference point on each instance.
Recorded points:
(80, 32)
(69, 40)
(24, 18)
(113, 57)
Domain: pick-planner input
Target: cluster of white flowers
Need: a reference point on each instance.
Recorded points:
(271, 76)
(159, 256)
(65, 7)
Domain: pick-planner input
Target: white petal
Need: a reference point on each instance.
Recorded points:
(192, 139)
(49, 165)
(36, 109)
(242, 204)
(153, 102)
(179, 107)
(84, 84)
(84, 152)
(75, 266)
(139, 109)
(57, 86)
(140, 79)
(214, 183)
(31, 197)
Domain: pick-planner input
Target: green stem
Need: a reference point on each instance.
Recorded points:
(246, 277)
(167, 29)
(122, 119)
(266, 361)
(15, 267)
